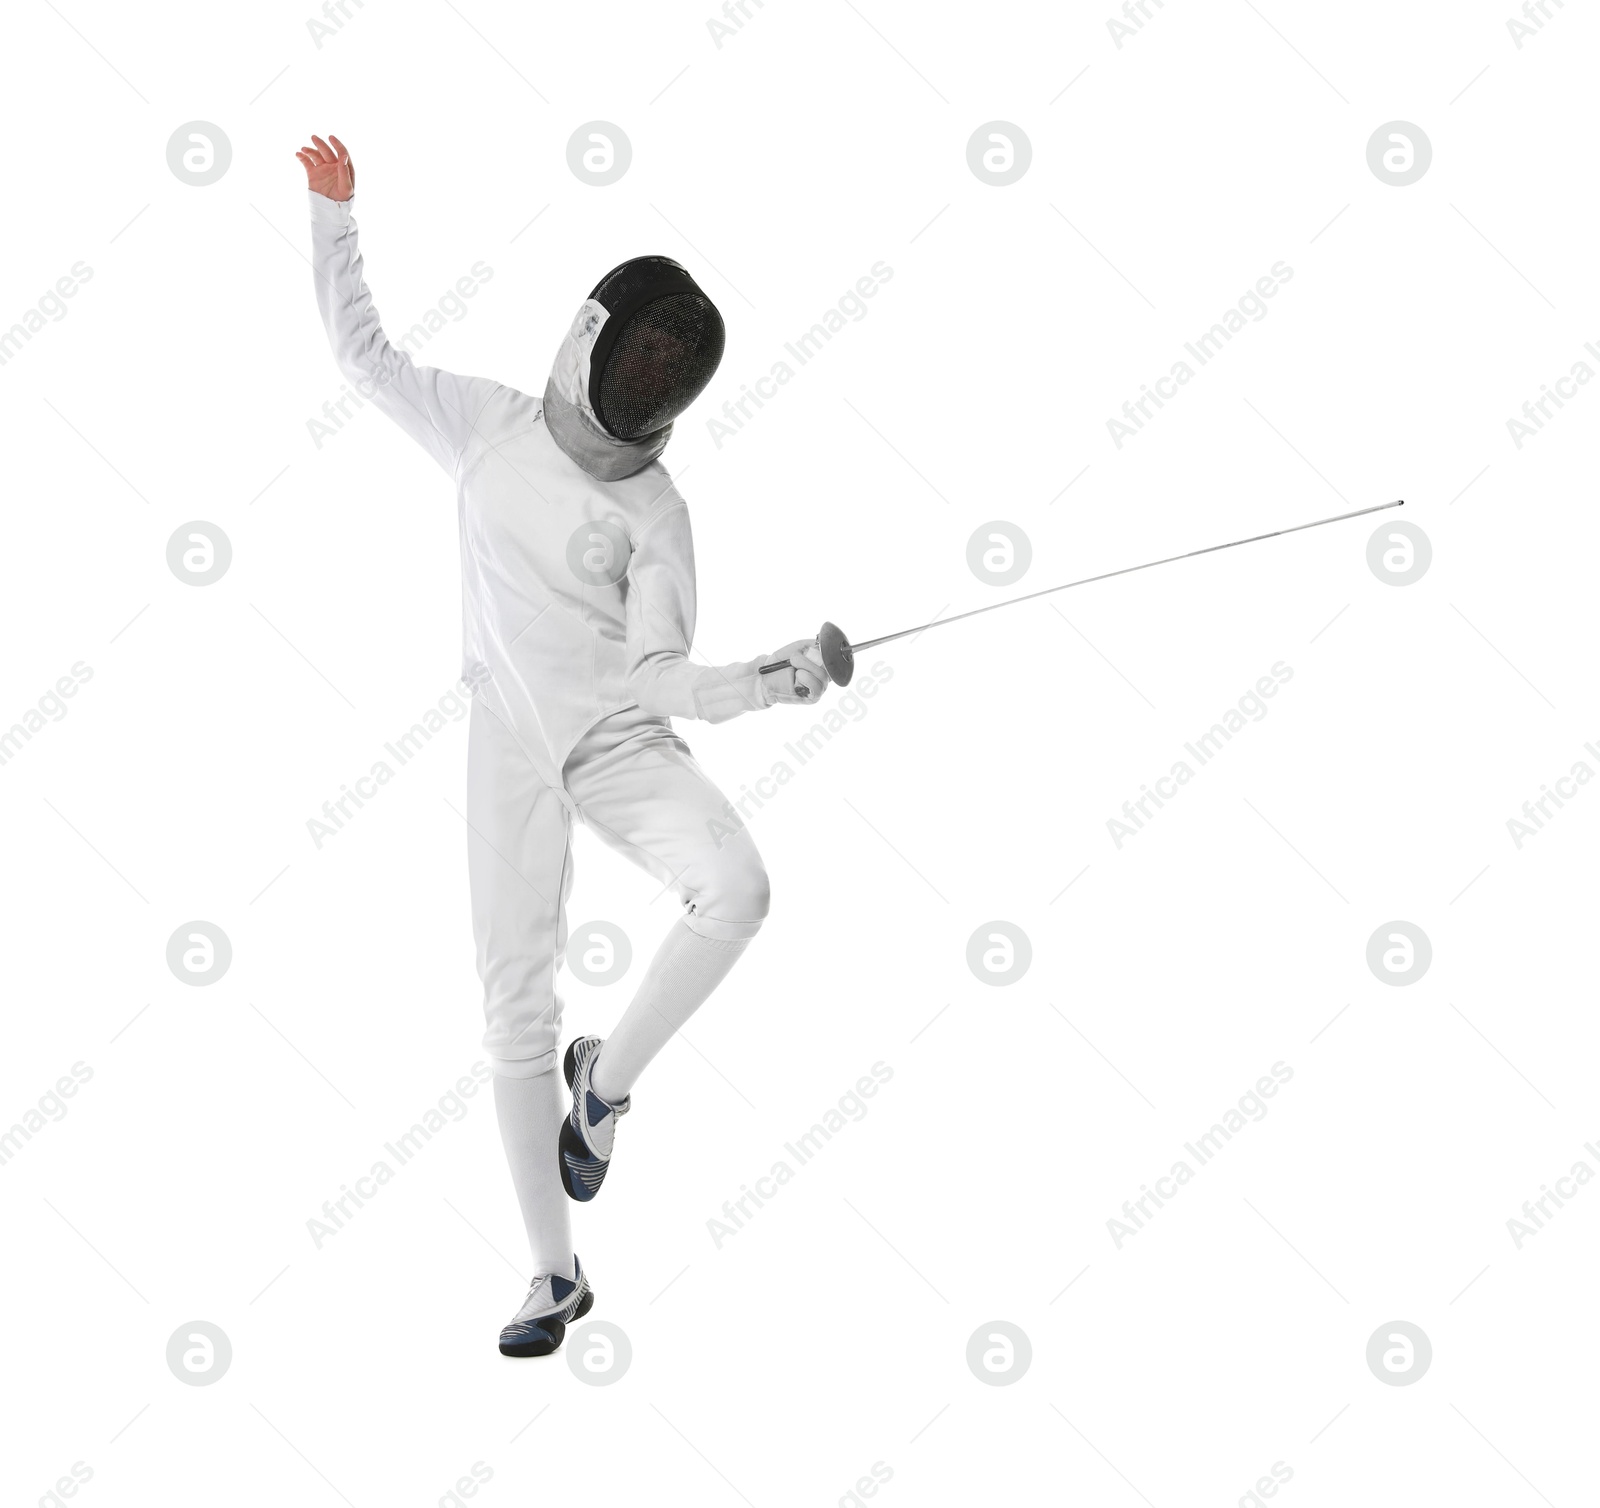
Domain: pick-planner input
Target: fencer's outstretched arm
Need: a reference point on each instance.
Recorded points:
(436, 408)
(661, 614)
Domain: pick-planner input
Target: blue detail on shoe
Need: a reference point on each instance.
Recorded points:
(584, 1148)
(582, 1174)
(541, 1333)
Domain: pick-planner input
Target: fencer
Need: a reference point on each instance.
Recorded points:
(578, 613)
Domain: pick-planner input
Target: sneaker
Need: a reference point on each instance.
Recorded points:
(553, 1302)
(586, 1134)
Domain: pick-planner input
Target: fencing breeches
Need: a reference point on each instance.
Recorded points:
(634, 783)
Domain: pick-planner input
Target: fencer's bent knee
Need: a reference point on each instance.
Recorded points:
(749, 892)
(739, 890)
(732, 897)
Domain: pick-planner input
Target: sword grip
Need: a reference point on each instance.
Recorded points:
(781, 665)
(838, 659)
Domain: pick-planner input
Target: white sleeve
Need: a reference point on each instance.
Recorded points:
(437, 409)
(661, 608)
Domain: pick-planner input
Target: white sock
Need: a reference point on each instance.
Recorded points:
(686, 969)
(530, 1113)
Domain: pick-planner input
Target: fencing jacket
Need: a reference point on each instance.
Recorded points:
(577, 595)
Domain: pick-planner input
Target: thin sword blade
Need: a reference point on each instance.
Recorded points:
(1125, 571)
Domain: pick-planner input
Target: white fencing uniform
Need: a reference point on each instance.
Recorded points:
(578, 605)
(632, 781)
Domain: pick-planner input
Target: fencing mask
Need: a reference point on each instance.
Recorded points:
(643, 347)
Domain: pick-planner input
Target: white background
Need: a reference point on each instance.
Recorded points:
(830, 1333)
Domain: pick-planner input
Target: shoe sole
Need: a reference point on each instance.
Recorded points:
(547, 1346)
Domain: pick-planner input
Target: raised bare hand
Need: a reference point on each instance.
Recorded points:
(329, 170)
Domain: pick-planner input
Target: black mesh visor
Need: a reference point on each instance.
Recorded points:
(661, 360)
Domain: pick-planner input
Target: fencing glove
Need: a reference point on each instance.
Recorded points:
(801, 680)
